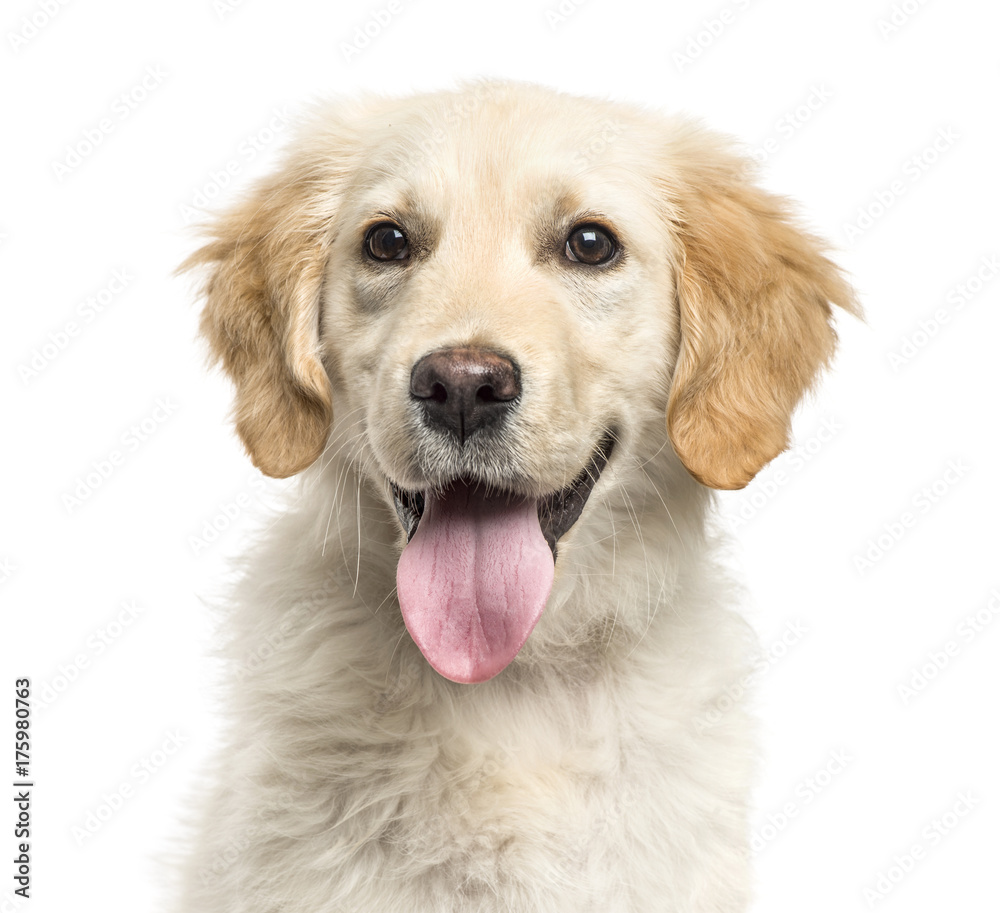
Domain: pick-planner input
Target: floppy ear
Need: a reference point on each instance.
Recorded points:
(755, 295)
(261, 316)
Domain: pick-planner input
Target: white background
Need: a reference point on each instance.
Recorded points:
(886, 133)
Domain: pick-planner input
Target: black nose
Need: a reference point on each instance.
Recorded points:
(463, 390)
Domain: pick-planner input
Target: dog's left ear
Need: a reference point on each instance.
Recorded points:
(755, 294)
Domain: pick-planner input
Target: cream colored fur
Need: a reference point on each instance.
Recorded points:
(596, 772)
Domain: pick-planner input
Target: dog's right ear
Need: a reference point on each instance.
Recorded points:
(261, 318)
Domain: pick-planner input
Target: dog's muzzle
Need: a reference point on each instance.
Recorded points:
(479, 563)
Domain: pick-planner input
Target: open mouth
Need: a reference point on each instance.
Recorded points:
(478, 567)
(557, 512)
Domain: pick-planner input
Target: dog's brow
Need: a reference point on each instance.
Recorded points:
(390, 214)
(567, 204)
(405, 210)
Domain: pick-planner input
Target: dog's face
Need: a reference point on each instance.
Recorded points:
(502, 292)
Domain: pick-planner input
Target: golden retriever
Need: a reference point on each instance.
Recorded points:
(485, 660)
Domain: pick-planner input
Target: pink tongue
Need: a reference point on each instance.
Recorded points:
(473, 581)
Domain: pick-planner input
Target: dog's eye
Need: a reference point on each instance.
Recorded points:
(386, 241)
(590, 244)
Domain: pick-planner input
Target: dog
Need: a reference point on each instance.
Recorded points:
(510, 341)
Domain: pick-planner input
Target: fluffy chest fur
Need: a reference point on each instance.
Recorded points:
(357, 778)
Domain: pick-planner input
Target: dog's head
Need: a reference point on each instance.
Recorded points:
(504, 291)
